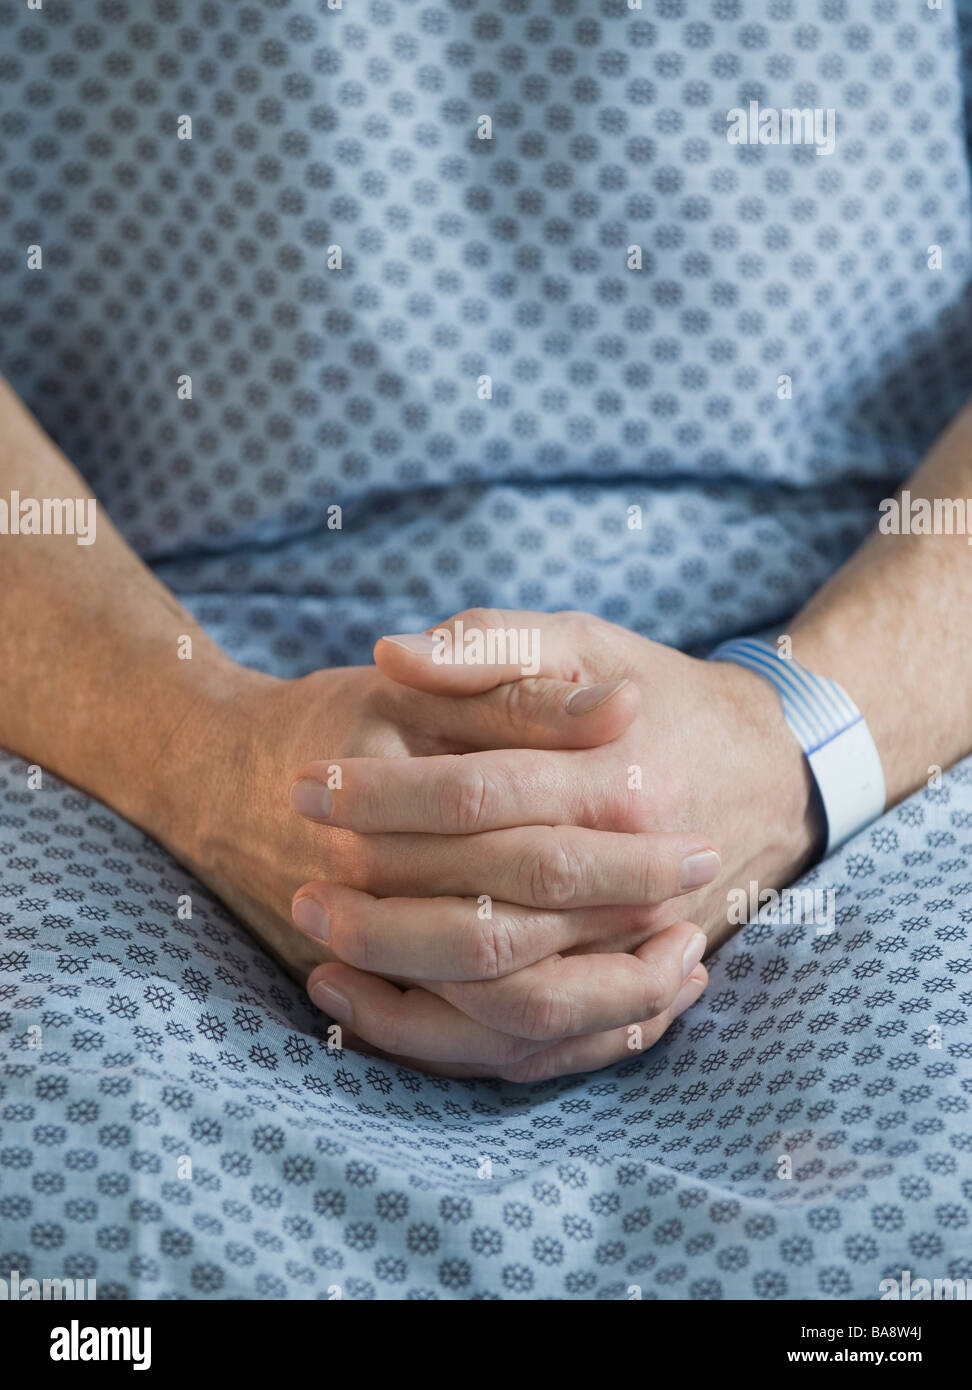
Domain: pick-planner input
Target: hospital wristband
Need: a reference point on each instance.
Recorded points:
(831, 731)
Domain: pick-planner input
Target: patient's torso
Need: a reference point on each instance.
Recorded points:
(295, 256)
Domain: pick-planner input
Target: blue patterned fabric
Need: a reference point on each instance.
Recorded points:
(132, 1041)
(314, 1169)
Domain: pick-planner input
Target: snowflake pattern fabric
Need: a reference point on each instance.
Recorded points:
(463, 258)
(316, 1170)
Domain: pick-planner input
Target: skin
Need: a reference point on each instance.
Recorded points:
(533, 975)
(199, 753)
(589, 937)
(890, 627)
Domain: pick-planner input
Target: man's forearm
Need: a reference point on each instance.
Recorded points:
(92, 686)
(892, 627)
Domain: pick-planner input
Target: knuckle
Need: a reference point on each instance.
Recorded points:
(389, 1031)
(528, 703)
(488, 951)
(551, 872)
(649, 990)
(518, 1075)
(482, 618)
(657, 883)
(633, 811)
(595, 649)
(643, 920)
(536, 1067)
(467, 797)
(511, 1052)
(583, 626)
(545, 1014)
(518, 699)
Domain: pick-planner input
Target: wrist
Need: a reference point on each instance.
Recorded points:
(193, 749)
(786, 830)
(222, 808)
(825, 647)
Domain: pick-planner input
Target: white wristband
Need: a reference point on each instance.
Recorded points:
(831, 731)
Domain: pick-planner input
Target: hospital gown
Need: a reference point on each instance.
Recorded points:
(397, 252)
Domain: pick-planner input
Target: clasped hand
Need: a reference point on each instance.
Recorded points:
(519, 905)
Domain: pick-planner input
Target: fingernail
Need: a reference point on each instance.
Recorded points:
(700, 868)
(694, 951)
(311, 798)
(588, 697)
(686, 996)
(312, 919)
(331, 1001)
(420, 642)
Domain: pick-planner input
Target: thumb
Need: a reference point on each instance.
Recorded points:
(477, 650)
(483, 665)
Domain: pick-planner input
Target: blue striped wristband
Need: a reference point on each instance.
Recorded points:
(831, 731)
